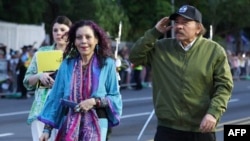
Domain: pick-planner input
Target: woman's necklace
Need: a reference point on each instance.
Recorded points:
(84, 67)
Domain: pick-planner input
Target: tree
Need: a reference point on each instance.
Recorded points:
(109, 15)
(144, 14)
(22, 11)
(226, 16)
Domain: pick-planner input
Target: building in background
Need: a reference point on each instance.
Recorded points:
(15, 36)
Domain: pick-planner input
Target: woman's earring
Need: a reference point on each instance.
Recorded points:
(97, 48)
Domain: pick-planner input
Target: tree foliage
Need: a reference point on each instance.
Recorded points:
(22, 11)
(109, 15)
(144, 14)
(226, 16)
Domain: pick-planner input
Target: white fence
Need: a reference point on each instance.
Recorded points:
(16, 36)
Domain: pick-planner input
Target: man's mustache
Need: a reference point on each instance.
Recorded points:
(179, 32)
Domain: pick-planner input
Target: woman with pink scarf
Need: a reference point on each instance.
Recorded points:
(85, 99)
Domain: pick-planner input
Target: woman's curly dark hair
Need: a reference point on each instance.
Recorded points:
(104, 50)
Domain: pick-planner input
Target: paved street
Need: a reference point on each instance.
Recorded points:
(137, 109)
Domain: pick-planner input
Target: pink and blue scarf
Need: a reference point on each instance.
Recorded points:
(82, 126)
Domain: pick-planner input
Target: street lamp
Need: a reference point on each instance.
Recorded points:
(172, 22)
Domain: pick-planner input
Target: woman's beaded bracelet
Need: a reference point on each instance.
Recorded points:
(46, 126)
(98, 102)
(47, 131)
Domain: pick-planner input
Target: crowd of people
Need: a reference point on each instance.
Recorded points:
(134, 77)
(13, 67)
(15, 64)
(81, 100)
(239, 64)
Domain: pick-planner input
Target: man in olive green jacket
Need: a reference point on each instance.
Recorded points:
(192, 82)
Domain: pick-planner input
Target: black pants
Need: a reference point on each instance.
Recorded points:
(168, 134)
(137, 78)
(21, 88)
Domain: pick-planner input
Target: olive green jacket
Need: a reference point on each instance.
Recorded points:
(186, 84)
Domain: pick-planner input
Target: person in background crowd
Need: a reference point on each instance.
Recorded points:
(22, 65)
(242, 64)
(15, 55)
(4, 77)
(125, 68)
(248, 65)
(147, 77)
(192, 82)
(33, 78)
(230, 61)
(137, 78)
(236, 66)
(85, 98)
(2, 54)
(3, 51)
(8, 76)
(122, 69)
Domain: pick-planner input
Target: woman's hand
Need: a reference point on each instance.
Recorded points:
(44, 137)
(46, 80)
(85, 105)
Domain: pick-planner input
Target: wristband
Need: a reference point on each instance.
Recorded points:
(46, 126)
(47, 131)
(104, 102)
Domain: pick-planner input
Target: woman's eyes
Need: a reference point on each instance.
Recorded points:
(87, 37)
(61, 29)
(80, 37)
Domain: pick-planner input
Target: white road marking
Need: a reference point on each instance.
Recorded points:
(6, 134)
(245, 120)
(126, 116)
(135, 115)
(123, 117)
(137, 99)
(234, 100)
(14, 113)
